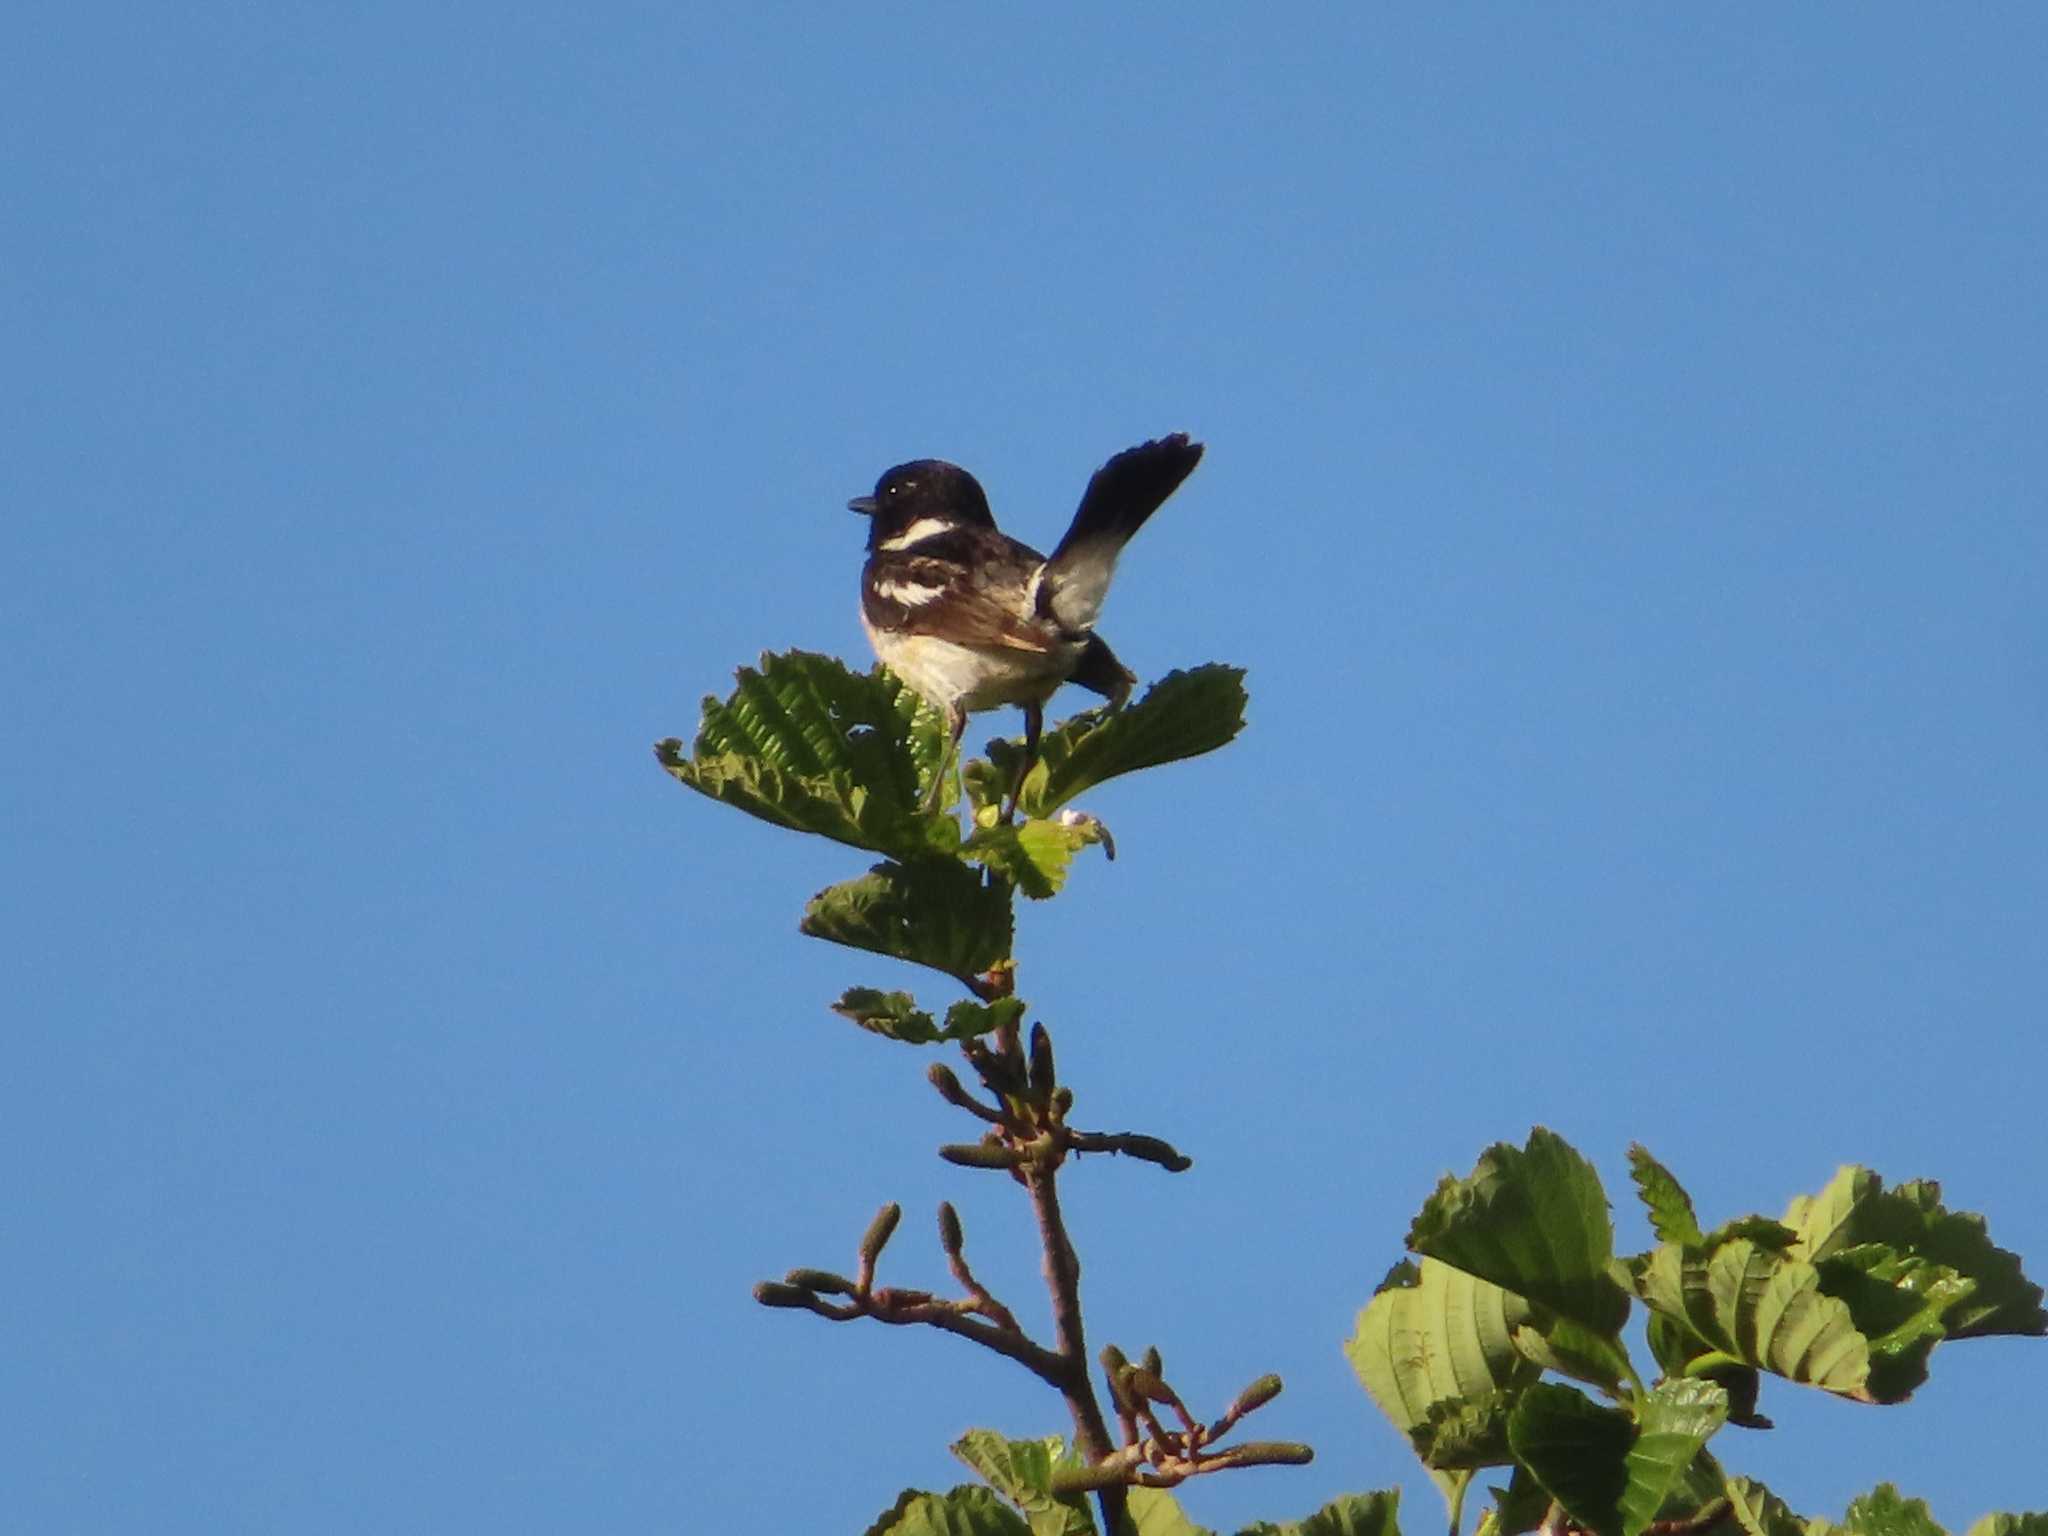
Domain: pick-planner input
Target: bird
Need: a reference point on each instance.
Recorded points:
(972, 619)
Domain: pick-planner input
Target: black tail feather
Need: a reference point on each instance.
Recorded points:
(1129, 489)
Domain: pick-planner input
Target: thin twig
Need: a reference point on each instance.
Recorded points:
(905, 1307)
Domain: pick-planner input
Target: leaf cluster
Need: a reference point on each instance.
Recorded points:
(1518, 1285)
(805, 743)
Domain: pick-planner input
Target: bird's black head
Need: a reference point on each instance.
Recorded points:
(924, 490)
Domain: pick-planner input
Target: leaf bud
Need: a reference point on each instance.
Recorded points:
(822, 1280)
(1256, 1396)
(879, 1231)
(1043, 1080)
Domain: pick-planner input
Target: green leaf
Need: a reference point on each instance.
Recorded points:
(2010, 1525)
(1900, 1304)
(1033, 855)
(1532, 1221)
(1885, 1512)
(1855, 1209)
(1576, 1449)
(933, 912)
(1610, 1473)
(1021, 1471)
(1352, 1514)
(966, 1021)
(966, 1511)
(1518, 1507)
(1182, 715)
(1155, 1512)
(1675, 1422)
(1763, 1309)
(1759, 1512)
(1671, 1213)
(1571, 1349)
(1435, 1349)
(897, 1016)
(806, 744)
(894, 1014)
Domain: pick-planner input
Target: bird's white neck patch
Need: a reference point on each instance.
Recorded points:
(924, 528)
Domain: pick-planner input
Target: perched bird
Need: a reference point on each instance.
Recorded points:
(972, 619)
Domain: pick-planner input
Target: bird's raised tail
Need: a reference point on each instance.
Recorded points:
(1123, 493)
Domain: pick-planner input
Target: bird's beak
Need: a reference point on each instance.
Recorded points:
(864, 505)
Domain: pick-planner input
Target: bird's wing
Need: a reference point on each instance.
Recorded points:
(924, 596)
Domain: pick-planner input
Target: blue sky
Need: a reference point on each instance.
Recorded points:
(1624, 487)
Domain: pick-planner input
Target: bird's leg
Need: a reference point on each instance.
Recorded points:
(1034, 723)
(956, 727)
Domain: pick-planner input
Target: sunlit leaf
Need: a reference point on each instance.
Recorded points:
(1155, 1512)
(1021, 1471)
(1671, 1213)
(966, 1511)
(1534, 1221)
(1761, 1308)
(1435, 1349)
(1352, 1514)
(1032, 855)
(934, 912)
(1884, 1511)
(807, 744)
(2010, 1525)
(1675, 1421)
(1182, 715)
(1856, 1209)
(1759, 1512)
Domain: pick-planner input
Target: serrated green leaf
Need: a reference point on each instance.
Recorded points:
(1674, 1423)
(897, 1016)
(807, 744)
(1671, 1214)
(2010, 1525)
(1761, 1308)
(1518, 1507)
(1351, 1514)
(1021, 1471)
(1900, 1304)
(1571, 1349)
(967, 1021)
(1681, 1352)
(935, 913)
(1612, 1474)
(1761, 1230)
(1759, 1512)
(1434, 1343)
(965, 1511)
(1155, 1512)
(1577, 1450)
(1533, 1221)
(1885, 1512)
(1462, 1434)
(1856, 1209)
(1182, 715)
(1032, 855)
(891, 1014)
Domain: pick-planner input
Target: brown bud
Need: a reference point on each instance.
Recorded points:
(879, 1231)
(1256, 1396)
